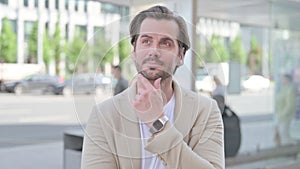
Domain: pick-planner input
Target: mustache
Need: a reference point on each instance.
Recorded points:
(151, 59)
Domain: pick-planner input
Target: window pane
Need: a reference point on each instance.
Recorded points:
(26, 3)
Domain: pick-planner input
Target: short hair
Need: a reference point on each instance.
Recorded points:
(160, 12)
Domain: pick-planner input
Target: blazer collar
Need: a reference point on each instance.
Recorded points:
(130, 122)
(184, 108)
(130, 126)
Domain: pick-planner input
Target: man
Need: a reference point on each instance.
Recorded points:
(122, 83)
(285, 109)
(155, 123)
(219, 93)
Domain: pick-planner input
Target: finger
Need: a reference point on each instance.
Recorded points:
(140, 106)
(140, 83)
(135, 103)
(157, 83)
(145, 82)
(140, 87)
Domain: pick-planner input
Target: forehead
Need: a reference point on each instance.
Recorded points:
(161, 27)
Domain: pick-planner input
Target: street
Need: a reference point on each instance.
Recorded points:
(32, 126)
(33, 119)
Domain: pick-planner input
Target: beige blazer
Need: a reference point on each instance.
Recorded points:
(195, 141)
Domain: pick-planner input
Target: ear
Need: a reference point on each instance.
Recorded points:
(180, 62)
(180, 58)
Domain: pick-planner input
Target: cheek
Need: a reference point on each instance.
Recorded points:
(134, 56)
(139, 56)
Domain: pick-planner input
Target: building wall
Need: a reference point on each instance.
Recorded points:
(72, 13)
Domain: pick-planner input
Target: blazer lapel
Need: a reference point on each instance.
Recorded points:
(184, 108)
(130, 127)
(130, 124)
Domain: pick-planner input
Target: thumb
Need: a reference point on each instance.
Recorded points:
(157, 83)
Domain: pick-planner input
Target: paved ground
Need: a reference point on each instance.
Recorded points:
(49, 155)
(37, 143)
(38, 156)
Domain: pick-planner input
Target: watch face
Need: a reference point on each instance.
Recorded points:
(157, 125)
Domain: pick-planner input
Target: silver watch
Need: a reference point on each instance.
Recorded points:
(158, 124)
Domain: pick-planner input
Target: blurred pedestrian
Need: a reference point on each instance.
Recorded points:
(219, 93)
(122, 83)
(220, 88)
(231, 121)
(285, 108)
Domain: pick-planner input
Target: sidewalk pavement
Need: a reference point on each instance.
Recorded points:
(40, 156)
(256, 134)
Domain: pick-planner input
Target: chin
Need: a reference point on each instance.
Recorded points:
(150, 75)
(153, 75)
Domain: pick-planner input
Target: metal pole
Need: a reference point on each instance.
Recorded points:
(194, 40)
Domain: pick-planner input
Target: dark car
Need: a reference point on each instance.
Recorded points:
(41, 83)
(85, 83)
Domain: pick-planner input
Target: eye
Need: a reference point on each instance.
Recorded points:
(166, 43)
(145, 41)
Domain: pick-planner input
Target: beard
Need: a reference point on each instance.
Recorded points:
(153, 73)
(152, 76)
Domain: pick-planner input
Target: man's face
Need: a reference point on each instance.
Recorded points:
(156, 52)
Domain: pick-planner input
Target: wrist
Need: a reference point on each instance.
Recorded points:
(149, 124)
(158, 125)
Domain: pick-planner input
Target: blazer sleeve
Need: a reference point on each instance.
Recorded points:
(96, 152)
(205, 147)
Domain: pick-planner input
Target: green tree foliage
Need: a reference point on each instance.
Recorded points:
(237, 52)
(48, 53)
(32, 43)
(76, 61)
(216, 51)
(53, 48)
(254, 60)
(198, 54)
(58, 47)
(124, 50)
(8, 43)
(103, 50)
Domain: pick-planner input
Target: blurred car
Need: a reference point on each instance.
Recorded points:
(204, 82)
(85, 83)
(256, 83)
(41, 83)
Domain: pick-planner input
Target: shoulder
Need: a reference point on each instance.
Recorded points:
(196, 97)
(109, 109)
(200, 104)
(123, 79)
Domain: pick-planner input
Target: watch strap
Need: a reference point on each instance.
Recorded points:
(163, 120)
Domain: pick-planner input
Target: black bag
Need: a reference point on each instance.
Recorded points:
(232, 132)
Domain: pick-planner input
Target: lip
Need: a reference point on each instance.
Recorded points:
(152, 66)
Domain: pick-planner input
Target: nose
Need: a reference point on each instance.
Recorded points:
(154, 51)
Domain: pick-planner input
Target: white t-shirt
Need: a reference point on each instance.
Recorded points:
(150, 160)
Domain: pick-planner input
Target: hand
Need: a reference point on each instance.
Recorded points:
(148, 102)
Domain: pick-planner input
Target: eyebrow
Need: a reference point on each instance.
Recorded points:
(164, 38)
(168, 38)
(146, 36)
